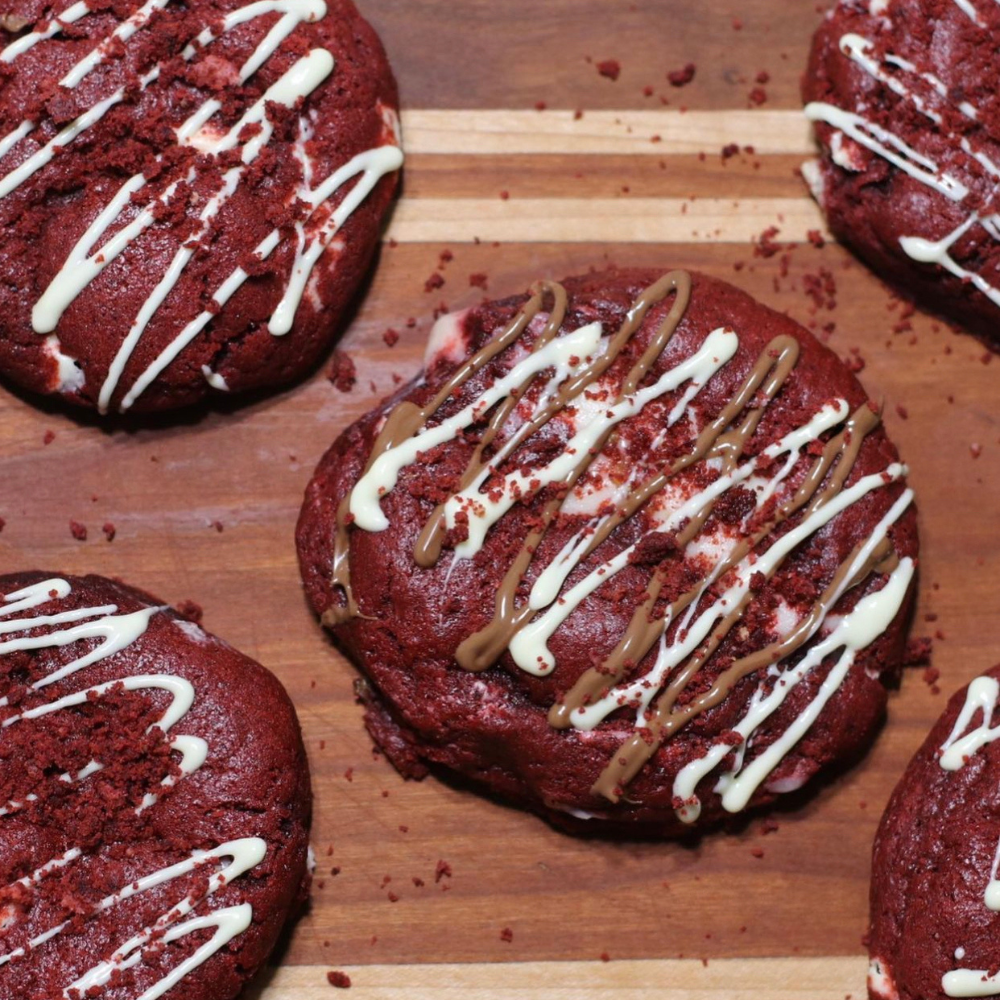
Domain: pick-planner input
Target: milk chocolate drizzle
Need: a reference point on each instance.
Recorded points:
(723, 440)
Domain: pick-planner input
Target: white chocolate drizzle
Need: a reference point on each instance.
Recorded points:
(855, 631)
(970, 983)
(529, 648)
(566, 355)
(718, 348)
(892, 71)
(685, 637)
(672, 654)
(963, 743)
(93, 252)
(118, 632)
(890, 147)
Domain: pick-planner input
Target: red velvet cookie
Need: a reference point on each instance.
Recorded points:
(935, 896)
(634, 550)
(905, 95)
(190, 194)
(155, 799)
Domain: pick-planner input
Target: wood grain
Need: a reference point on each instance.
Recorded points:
(164, 484)
(590, 220)
(482, 54)
(732, 979)
(638, 133)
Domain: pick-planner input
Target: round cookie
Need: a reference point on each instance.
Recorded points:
(905, 95)
(190, 194)
(634, 551)
(155, 799)
(935, 894)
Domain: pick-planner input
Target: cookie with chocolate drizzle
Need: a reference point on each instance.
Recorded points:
(905, 96)
(154, 799)
(190, 192)
(633, 550)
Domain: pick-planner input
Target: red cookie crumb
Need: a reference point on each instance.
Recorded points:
(339, 979)
(765, 245)
(343, 373)
(611, 68)
(918, 651)
(478, 280)
(48, 437)
(191, 610)
(391, 337)
(109, 530)
(442, 870)
(78, 531)
(433, 282)
(682, 77)
(507, 935)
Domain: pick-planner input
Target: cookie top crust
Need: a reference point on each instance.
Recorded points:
(190, 193)
(904, 94)
(155, 798)
(633, 549)
(935, 894)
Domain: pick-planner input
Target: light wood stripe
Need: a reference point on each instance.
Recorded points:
(540, 175)
(721, 979)
(505, 131)
(611, 220)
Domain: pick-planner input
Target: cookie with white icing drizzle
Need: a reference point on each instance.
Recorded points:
(190, 193)
(634, 550)
(154, 799)
(935, 892)
(905, 97)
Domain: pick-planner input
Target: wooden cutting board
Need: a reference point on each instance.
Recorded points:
(515, 193)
